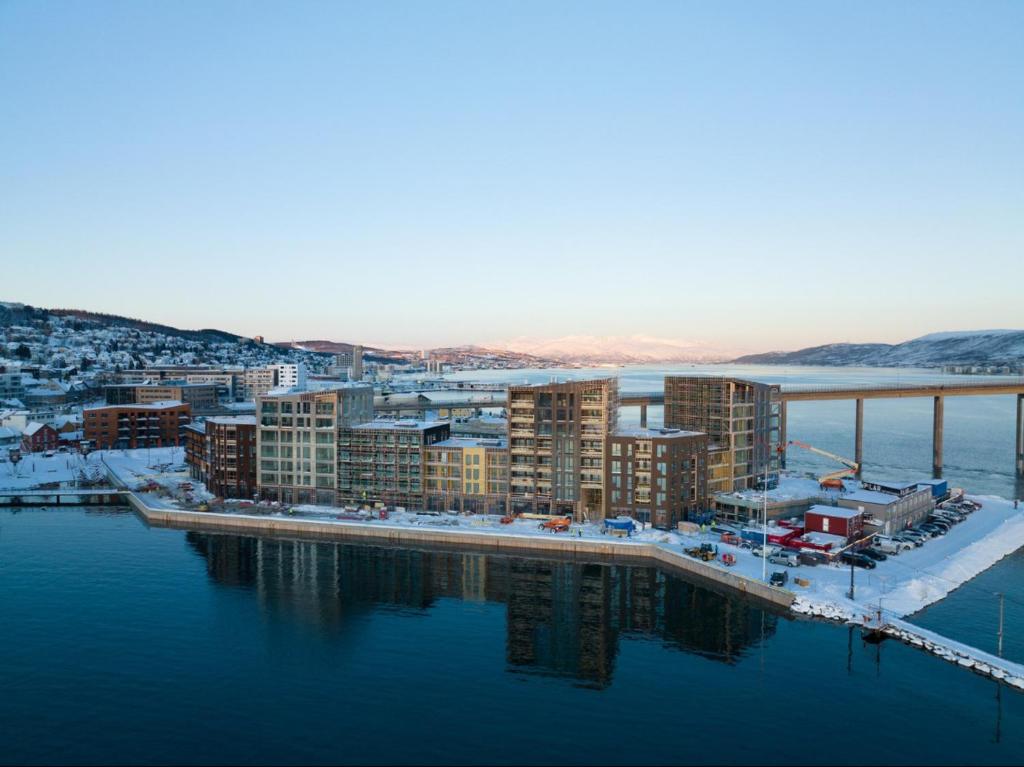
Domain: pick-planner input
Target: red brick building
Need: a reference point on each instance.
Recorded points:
(657, 476)
(38, 437)
(221, 452)
(156, 424)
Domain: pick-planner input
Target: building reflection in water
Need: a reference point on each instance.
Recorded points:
(563, 618)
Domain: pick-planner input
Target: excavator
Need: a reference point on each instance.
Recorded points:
(832, 480)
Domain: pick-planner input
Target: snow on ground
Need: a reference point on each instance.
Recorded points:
(162, 466)
(35, 470)
(915, 579)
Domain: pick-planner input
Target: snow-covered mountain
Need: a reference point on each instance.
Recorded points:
(961, 347)
(619, 349)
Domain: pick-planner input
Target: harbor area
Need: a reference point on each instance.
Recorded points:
(884, 595)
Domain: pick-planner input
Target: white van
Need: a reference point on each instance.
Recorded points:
(890, 546)
(790, 559)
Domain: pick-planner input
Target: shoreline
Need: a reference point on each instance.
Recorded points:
(613, 551)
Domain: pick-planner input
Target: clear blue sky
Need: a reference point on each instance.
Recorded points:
(765, 175)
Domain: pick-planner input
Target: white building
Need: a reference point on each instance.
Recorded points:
(291, 376)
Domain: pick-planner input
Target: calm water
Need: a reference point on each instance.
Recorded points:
(120, 643)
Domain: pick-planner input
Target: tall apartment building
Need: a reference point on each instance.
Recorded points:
(297, 440)
(467, 475)
(221, 452)
(357, 363)
(558, 437)
(741, 419)
(292, 375)
(154, 424)
(383, 461)
(657, 476)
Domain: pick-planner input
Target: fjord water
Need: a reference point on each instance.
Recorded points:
(120, 643)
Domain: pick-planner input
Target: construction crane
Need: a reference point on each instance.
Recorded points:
(832, 479)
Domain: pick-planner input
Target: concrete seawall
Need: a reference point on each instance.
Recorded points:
(617, 552)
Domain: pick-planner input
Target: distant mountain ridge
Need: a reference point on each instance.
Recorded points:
(617, 349)
(962, 347)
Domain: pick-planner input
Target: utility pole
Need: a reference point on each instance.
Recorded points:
(851, 578)
(764, 544)
(1001, 605)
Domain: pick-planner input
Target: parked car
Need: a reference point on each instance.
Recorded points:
(779, 578)
(787, 558)
(873, 553)
(933, 530)
(760, 551)
(956, 517)
(890, 545)
(858, 559)
(918, 536)
(812, 558)
(912, 540)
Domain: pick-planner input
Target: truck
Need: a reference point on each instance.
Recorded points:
(620, 526)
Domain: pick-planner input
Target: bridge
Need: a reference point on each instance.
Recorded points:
(442, 400)
(937, 391)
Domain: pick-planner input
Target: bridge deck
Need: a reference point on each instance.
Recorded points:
(884, 391)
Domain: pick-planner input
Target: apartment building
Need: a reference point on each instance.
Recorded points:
(197, 450)
(200, 397)
(558, 438)
(154, 424)
(657, 476)
(221, 452)
(467, 475)
(291, 375)
(256, 382)
(357, 363)
(297, 440)
(741, 419)
(10, 382)
(383, 461)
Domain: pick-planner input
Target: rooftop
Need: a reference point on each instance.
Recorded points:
(655, 433)
(159, 405)
(871, 496)
(472, 442)
(233, 420)
(839, 512)
(405, 424)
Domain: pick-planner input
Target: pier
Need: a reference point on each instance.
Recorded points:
(69, 497)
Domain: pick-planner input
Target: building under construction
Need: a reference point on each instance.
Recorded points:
(558, 440)
(741, 419)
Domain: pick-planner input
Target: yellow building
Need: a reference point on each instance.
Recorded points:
(467, 475)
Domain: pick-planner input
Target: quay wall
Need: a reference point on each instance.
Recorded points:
(619, 552)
